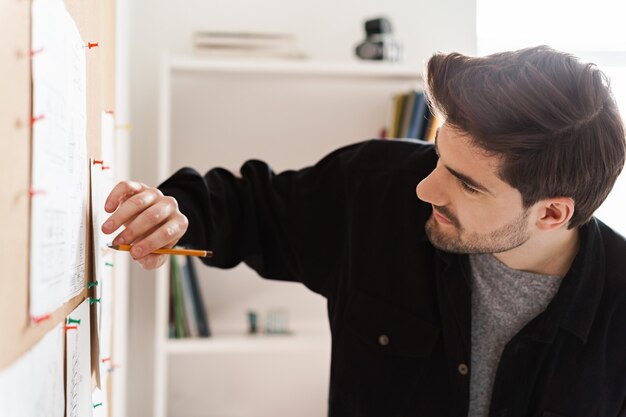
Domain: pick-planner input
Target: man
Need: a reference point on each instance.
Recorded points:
(494, 293)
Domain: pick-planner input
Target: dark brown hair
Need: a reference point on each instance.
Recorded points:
(551, 118)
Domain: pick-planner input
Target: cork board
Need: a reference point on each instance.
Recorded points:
(96, 23)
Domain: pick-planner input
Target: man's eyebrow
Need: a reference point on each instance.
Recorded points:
(468, 180)
(465, 178)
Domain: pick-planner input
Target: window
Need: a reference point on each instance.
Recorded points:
(593, 31)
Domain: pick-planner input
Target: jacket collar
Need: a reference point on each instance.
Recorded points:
(574, 306)
(582, 287)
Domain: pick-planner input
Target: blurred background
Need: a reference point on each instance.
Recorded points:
(268, 353)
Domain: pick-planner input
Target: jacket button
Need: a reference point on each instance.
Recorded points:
(463, 369)
(383, 340)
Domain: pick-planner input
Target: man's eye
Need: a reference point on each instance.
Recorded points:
(468, 188)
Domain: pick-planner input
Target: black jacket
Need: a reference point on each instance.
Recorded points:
(352, 229)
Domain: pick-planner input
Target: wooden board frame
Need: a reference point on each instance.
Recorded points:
(96, 23)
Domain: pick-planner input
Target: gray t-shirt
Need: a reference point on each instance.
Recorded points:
(504, 300)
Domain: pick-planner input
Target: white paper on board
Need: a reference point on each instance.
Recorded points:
(33, 384)
(59, 159)
(100, 406)
(78, 363)
(102, 182)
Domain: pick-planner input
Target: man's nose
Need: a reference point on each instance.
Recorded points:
(432, 190)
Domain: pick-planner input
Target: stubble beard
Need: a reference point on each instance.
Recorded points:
(452, 238)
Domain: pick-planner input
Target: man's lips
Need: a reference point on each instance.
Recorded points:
(440, 218)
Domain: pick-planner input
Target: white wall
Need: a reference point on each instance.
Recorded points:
(326, 29)
(123, 157)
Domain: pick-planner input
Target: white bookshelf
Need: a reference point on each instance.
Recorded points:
(244, 344)
(217, 112)
(364, 69)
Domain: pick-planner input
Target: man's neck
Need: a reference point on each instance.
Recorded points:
(550, 253)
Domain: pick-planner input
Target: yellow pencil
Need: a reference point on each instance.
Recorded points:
(168, 251)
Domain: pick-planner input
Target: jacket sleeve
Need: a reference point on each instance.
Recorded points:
(288, 226)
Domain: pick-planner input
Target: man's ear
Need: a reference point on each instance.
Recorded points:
(554, 213)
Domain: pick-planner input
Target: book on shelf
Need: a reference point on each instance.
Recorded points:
(418, 116)
(188, 298)
(247, 44)
(188, 316)
(262, 39)
(200, 312)
(412, 117)
(176, 292)
(433, 124)
(407, 114)
(396, 120)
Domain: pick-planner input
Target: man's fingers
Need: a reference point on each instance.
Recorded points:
(151, 221)
(152, 261)
(166, 235)
(145, 221)
(131, 208)
(121, 192)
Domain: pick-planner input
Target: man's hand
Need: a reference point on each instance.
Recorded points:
(152, 221)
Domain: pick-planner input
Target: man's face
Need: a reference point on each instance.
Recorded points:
(474, 211)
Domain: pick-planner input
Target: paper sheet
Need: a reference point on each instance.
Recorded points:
(33, 385)
(100, 406)
(78, 363)
(59, 159)
(102, 182)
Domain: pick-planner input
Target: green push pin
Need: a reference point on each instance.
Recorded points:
(97, 405)
(93, 300)
(92, 284)
(72, 321)
(108, 264)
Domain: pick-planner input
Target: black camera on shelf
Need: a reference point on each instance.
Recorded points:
(379, 43)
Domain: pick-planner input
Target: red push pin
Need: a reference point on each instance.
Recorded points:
(105, 167)
(35, 119)
(111, 112)
(91, 45)
(33, 192)
(103, 360)
(39, 319)
(34, 52)
(70, 328)
(98, 162)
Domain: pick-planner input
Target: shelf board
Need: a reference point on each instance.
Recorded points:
(261, 343)
(364, 69)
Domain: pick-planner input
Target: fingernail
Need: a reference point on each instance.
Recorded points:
(137, 251)
(119, 240)
(109, 206)
(108, 225)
